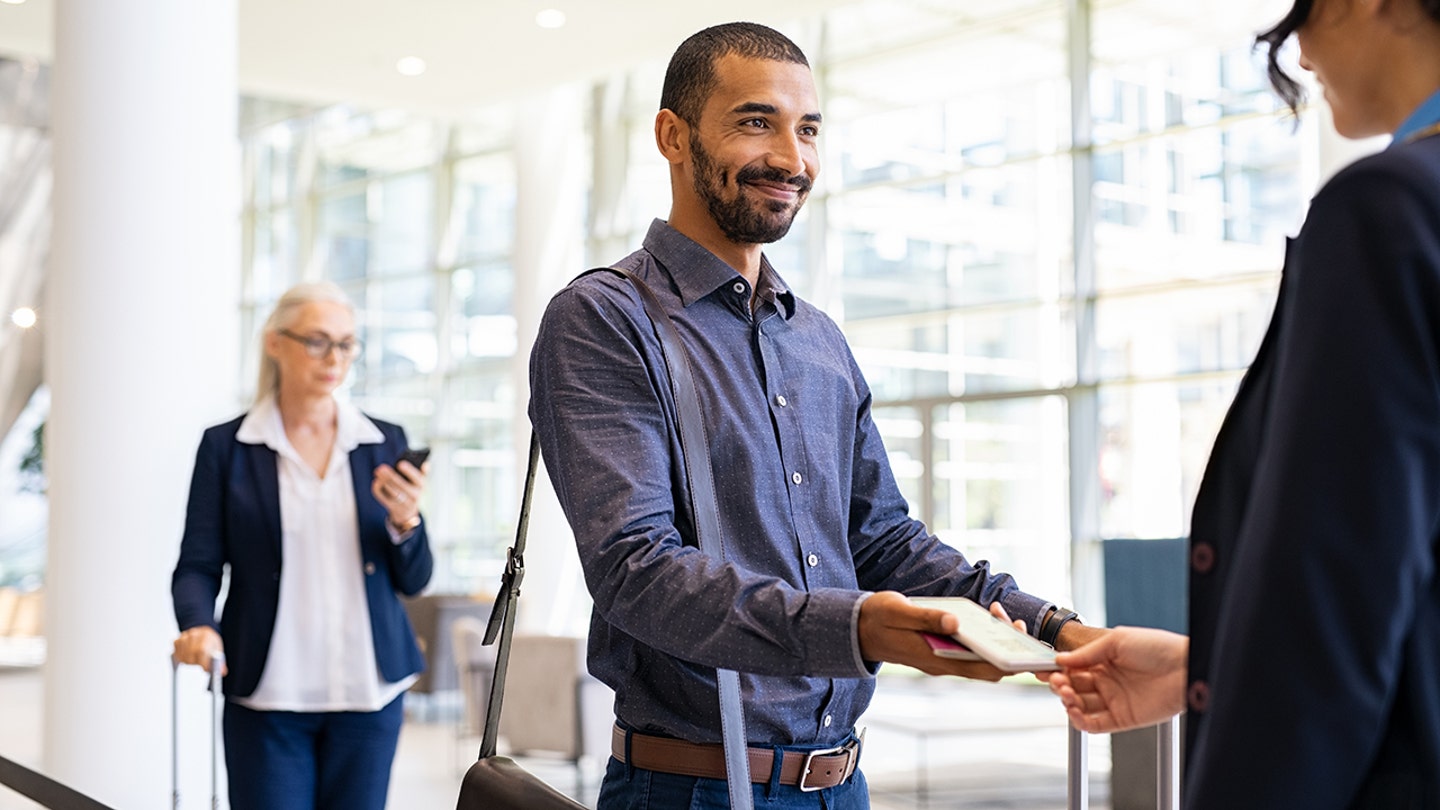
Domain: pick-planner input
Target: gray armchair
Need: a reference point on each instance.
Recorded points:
(552, 705)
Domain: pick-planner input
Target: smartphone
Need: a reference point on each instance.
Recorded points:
(996, 641)
(414, 455)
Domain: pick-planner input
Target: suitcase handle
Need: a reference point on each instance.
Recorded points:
(217, 663)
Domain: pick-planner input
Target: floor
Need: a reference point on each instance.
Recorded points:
(930, 743)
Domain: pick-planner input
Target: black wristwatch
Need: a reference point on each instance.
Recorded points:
(1050, 629)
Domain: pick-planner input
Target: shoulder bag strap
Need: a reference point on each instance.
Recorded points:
(502, 615)
(695, 448)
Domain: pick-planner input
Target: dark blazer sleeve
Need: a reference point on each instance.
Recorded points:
(390, 568)
(1335, 554)
(195, 583)
(232, 522)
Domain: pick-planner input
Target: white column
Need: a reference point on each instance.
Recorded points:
(141, 351)
(549, 251)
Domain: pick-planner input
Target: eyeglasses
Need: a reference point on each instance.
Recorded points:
(319, 347)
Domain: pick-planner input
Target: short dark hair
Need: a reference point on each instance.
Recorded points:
(1287, 88)
(690, 78)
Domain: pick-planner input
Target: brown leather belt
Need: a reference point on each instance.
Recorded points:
(809, 770)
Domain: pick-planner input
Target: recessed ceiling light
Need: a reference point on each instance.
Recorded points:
(550, 18)
(410, 66)
(24, 317)
(12, 2)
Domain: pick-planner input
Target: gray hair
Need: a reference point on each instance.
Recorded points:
(283, 316)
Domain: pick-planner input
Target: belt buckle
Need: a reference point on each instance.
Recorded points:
(851, 749)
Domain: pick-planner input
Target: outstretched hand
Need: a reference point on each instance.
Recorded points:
(1127, 678)
(891, 627)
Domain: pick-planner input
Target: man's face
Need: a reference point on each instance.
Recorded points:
(754, 151)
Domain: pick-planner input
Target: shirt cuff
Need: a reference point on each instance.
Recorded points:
(1031, 609)
(396, 537)
(831, 628)
(868, 669)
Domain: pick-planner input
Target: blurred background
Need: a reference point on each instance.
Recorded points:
(1051, 229)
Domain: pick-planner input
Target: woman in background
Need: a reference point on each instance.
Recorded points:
(300, 498)
(1312, 672)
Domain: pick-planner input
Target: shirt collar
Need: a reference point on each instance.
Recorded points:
(1427, 114)
(262, 425)
(697, 272)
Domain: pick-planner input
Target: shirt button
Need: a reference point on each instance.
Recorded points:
(796, 477)
(739, 288)
(813, 559)
(826, 722)
(1202, 558)
(781, 400)
(369, 569)
(1198, 696)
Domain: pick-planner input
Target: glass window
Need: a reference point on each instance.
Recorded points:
(355, 145)
(383, 228)
(483, 213)
(1155, 439)
(275, 157)
(274, 254)
(1188, 330)
(1001, 487)
(482, 300)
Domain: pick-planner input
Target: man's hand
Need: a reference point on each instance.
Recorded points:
(1127, 678)
(197, 645)
(890, 628)
(1075, 635)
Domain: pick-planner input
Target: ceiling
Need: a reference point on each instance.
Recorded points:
(476, 50)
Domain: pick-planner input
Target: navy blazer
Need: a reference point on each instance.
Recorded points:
(234, 519)
(1315, 608)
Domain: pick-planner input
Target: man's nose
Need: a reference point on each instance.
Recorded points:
(788, 154)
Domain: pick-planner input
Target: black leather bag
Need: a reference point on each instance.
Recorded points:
(496, 782)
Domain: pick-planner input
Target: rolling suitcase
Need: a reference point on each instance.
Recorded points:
(217, 661)
(1167, 768)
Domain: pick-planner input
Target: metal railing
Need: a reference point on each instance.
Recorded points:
(1167, 768)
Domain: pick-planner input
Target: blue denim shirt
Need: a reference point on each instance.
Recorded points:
(810, 515)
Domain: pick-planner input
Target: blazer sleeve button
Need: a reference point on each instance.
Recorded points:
(1198, 696)
(1202, 558)
(369, 568)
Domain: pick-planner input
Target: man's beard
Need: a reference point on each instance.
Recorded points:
(740, 221)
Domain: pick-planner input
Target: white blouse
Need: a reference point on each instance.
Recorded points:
(322, 653)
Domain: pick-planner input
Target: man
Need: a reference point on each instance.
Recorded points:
(819, 543)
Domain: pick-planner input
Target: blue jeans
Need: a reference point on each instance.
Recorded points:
(310, 760)
(626, 788)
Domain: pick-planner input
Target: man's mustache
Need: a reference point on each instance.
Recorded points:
(752, 174)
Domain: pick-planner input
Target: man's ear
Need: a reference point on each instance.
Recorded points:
(672, 137)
